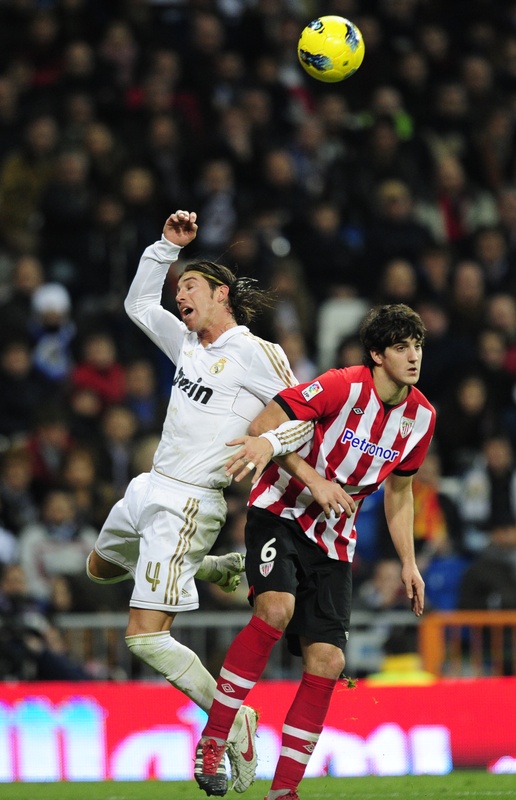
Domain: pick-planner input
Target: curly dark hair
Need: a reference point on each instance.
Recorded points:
(387, 325)
(246, 298)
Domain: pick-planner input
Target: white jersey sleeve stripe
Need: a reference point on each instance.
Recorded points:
(279, 363)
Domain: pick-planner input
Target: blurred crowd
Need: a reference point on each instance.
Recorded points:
(398, 185)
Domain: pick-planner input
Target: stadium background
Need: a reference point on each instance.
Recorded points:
(397, 185)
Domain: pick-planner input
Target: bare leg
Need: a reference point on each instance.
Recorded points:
(101, 571)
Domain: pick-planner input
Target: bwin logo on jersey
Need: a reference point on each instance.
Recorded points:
(218, 366)
(194, 389)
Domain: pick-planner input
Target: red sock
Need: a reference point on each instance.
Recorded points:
(301, 730)
(244, 663)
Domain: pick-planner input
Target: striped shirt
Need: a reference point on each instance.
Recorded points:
(358, 442)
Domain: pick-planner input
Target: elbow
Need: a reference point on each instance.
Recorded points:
(129, 307)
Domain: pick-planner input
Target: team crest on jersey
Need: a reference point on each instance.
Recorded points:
(266, 569)
(218, 366)
(312, 390)
(406, 426)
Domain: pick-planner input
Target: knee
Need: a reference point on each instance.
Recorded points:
(275, 608)
(161, 652)
(337, 662)
(325, 660)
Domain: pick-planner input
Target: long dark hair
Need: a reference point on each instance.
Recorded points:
(246, 298)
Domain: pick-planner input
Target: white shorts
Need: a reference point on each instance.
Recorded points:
(159, 532)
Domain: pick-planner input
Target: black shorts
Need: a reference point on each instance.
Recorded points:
(281, 558)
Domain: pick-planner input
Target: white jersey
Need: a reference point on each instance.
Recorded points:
(217, 389)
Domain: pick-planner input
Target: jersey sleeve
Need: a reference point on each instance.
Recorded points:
(143, 301)
(322, 397)
(411, 464)
(269, 371)
(289, 436)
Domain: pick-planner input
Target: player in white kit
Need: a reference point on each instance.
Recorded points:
(161, 531)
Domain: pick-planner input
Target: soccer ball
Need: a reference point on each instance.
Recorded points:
(330, 49)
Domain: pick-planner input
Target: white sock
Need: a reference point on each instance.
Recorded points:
(179, 665)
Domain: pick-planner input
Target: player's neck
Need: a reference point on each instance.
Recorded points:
(211, 333)
(389, 392)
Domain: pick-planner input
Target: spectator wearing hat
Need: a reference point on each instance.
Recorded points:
(53, 332)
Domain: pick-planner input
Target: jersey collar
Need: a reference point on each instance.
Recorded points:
(224, 337)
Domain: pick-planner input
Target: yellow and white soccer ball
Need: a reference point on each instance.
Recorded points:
(331, 49)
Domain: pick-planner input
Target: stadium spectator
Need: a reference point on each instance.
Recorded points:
(114, 451)
(487, 491)
(18, 500)
(47, 445)
(80, 476)
(490, 581)
(458, 207)
(98, 370)
(143, 396)
(23, 392)
(467, 417)
(56, 544)
(53, 331)
(32, 648)
(24, 175)
(26, 276)
(467, 299)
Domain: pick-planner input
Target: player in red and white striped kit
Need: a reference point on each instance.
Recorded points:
(372, 426)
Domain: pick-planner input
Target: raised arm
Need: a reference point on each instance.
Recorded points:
(143, 301)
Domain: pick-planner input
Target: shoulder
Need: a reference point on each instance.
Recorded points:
(270, 354)
(258, 344)
(344, 378)
(418, 398)
(357, 373)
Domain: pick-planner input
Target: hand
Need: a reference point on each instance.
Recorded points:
(181, 228)
(252, 457)
(415, 588)
(331, 497)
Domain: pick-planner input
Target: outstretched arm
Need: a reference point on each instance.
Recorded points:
(257, 451)
(399, 513)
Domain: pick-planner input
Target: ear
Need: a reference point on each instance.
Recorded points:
(377, 357)
(223, 293)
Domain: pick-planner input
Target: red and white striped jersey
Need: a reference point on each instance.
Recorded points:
(358, 441)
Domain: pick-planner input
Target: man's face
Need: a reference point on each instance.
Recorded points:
(401, 362)
(196, 302)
